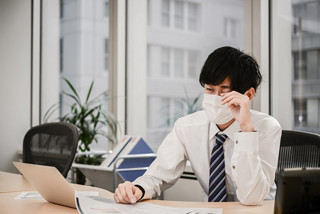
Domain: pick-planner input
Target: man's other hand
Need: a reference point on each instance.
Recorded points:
(127, 193)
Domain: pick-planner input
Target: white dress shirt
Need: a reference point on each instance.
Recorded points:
(250, 157)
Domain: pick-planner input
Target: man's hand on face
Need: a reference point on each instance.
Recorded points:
(127, 193)
(239, 106)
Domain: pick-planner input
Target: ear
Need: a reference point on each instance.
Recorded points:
(250, 93)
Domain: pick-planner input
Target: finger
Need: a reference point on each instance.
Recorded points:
(122, 195)
(137, 193)
(227, 99)
(129, 191)
(227, 94)
(234, 103)
(116, 198)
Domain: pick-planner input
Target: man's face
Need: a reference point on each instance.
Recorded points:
(224, 87)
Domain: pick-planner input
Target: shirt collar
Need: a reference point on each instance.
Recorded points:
(230, 131)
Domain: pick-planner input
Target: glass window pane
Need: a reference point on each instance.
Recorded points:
(303, 92)
(165, 13)
(179, 51)
(178, 16)
(84, 33)
(106, 8)
(193, 16)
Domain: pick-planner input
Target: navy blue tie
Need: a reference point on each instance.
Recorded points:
(217, 178)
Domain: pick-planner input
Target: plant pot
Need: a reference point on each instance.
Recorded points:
(80, 178)
(86, 159)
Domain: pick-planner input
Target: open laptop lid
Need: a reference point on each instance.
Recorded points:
(298, 191)
(48, 181)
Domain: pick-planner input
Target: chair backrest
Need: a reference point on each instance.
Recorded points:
(51, 144)
(298, 150)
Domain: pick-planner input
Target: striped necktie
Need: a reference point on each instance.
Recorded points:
(217, 181)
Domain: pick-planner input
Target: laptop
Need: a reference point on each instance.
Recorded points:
(49, 182)
(298, 191)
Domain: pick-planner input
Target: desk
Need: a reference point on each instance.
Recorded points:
(12, 184)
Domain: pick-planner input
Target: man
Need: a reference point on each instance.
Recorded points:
(233, 150)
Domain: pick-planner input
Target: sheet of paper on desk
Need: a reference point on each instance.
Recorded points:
(99, 205)
(28, 195)
(36, 195)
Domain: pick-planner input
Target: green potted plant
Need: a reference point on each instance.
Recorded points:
(92, 122)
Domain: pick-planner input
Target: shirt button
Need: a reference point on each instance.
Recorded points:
(236, 142)
(233, 167)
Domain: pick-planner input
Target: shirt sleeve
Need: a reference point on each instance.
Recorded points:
(254, 163)
(167, 168)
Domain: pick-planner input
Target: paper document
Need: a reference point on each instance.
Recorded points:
(99, 205)
(28, 195)
(36, 195)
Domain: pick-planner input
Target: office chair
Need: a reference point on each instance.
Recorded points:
(51, 144)
(298, 150)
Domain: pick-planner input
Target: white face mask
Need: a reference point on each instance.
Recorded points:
(216, 113)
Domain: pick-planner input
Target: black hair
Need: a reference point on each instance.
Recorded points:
(242, 69)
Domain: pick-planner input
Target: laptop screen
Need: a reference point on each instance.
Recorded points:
(298, 191)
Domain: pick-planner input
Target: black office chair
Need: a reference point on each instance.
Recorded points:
(298, 150)
(51, 144)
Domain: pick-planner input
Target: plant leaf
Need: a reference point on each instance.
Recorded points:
(89, 92)
(72, 88)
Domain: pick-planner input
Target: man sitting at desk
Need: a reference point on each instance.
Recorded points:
(233, 150)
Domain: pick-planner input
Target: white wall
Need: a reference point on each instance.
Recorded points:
(20, 71)
(15, 78)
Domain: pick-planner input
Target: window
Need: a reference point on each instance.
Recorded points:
(83, 52)
(106, 8)
(185, 15)
(300, 65)
(177, 63)
(61, 9)
(176, 52)
(295, 54)
(165, 13)
(178, 15)
(193, 16)
(300, 112)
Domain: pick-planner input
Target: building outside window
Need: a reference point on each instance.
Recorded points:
(106, 8)
(165, 13)
(193, 16)
(84, 32)
(306, 65)
(178, 14)
(179, 38)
